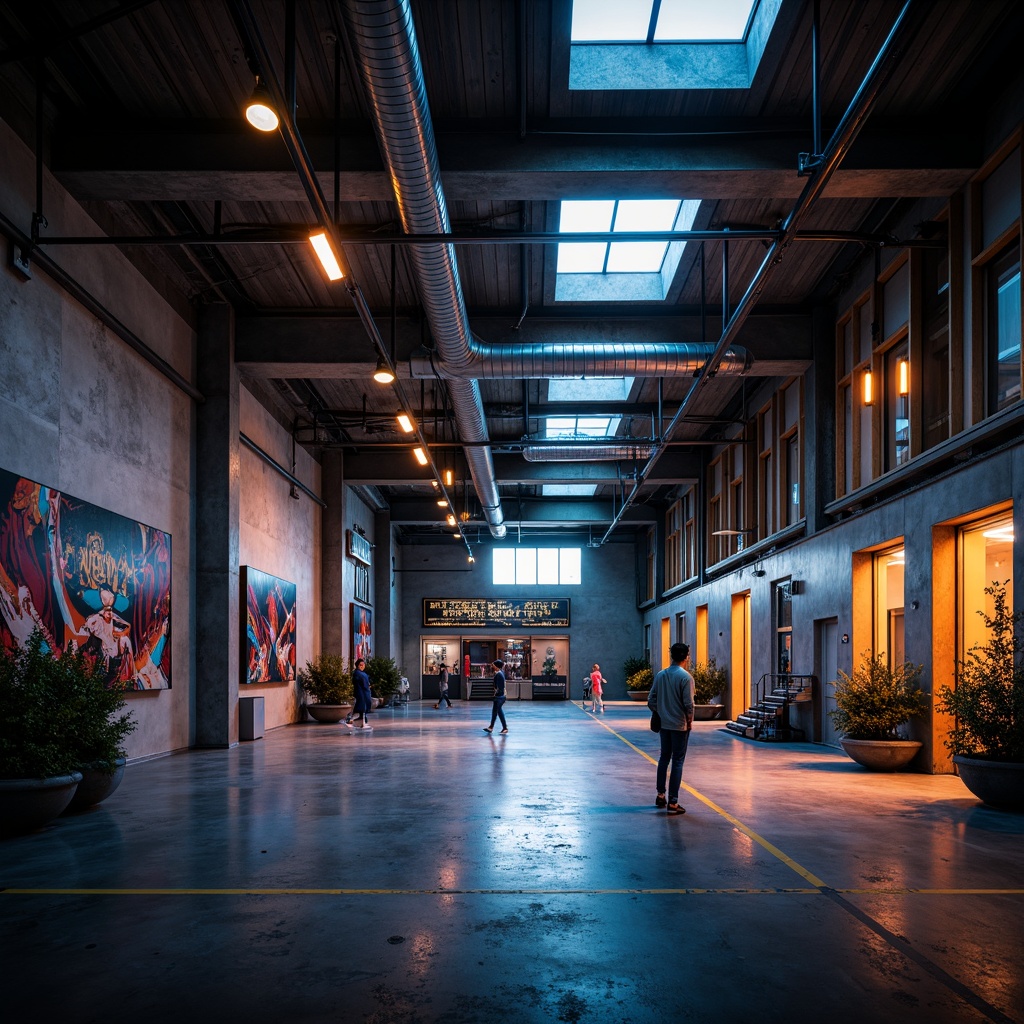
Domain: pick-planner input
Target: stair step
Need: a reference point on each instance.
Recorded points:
(739, 729)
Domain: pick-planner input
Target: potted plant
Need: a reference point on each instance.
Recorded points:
(38, 762)
(639, 676)
(987, 702)
(709, 682)
(99, 732)
(873, 705)
(327, 680)
(385, 678)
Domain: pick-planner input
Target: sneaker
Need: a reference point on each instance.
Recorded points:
(503, 732)
(367, 728)
(486, 729)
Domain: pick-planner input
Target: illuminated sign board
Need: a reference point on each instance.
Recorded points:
(358, 547)
(501, 612)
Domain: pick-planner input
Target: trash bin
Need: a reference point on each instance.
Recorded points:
(250, 718)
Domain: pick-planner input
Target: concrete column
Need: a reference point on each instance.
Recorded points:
(217, 520)
(332, 574)
(383, 595)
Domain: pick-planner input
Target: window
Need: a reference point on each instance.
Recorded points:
(674, 545)
(636, 271)
(650, 550)
(765, 473)
(784, 627)
(668, 44)
(1002, 328)
(986, 556)
(536, 566)
(934, 377)
(897, 405)
(853, 403)
(690, 534)
(790, 414)
(888, 603)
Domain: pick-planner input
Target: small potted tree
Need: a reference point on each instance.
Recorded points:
(987, 702)
(639, 676)
(709, 682)
(385, 678)
(873, 705)
(327, 680)
(38, 760)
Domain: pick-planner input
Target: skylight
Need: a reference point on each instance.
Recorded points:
(568, 490)
(620, 271)
(602, 21)
(668, 44)
(593, 389)
(581, 426)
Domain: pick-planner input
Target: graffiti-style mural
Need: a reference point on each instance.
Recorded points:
(269, 635)
(87, 578)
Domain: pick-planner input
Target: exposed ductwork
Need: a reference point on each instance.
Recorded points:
(384, 40)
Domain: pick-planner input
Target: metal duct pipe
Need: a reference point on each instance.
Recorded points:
(385, 41)
(583, 359)
(615, 451)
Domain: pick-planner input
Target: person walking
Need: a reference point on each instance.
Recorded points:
(672, 697)
(442, 682)
(499, 698)
(364, 702)
(597, 682)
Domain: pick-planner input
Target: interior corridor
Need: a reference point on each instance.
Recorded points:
(428, 871)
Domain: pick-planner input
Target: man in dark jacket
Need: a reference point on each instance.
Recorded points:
(672, 697)
(499, 698)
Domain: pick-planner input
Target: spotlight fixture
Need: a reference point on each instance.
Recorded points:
(322, 247)
(259, 111)
(384, 374)
(421, 456)
(442, 502)
(450, 518)
(434, 484)
(869, 390)
(471, 559)
(405, 422)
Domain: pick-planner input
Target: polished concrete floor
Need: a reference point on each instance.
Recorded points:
(430, 872)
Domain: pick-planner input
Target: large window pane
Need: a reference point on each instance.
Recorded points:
(547, 565)
(570, 570)
(504, 565)
(526, 566)
(1003, 330)
(986, 557)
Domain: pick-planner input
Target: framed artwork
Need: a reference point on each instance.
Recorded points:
(362, 632)
(86, 578)
(268, 634)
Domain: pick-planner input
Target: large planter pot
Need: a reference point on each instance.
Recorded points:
(707, 712)
(996, 783)
(638, 695)
(881, 755)
(28, 804)
(328, 713)
(95, 787)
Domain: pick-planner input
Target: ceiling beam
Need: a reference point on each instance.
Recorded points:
(337, 347)
(222, 161)
(535, 512)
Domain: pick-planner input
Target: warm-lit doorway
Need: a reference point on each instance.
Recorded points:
(739, 674)
(826, 668)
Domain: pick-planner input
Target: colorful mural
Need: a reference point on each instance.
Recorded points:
(87, 578)
(269, 635)
(362, 632)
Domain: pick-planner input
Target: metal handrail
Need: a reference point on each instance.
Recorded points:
(768, 684)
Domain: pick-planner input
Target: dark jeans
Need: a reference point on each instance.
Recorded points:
(673, 748)
(496, 712)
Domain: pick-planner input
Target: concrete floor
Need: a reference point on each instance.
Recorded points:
(429, 872)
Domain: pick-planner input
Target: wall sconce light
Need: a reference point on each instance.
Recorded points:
(449, 478)
(322, 247)
(421, 456)
(405, 422)
(384, 375)
(259, 111)
(442, 502)
(434, 484)
(903, 376)
(869, 389)
(450, 518)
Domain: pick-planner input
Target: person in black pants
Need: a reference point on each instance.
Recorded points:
(499, 698)
(442, 682)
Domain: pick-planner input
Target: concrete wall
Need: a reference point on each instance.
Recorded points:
(280, 534)
(82, 412)
(605, 623)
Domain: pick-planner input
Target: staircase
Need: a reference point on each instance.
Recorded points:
(768, 718)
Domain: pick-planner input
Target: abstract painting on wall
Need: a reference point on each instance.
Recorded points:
(362, 632)
(269, 630)
(86, 578)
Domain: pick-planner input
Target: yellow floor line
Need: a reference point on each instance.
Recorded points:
(803, 872)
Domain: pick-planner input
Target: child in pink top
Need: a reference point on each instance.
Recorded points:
(597, 681)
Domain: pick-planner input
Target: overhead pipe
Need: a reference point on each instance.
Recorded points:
(832, 155)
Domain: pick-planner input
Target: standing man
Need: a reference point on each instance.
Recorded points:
(499, 698)
(672, 697)
(361, 684)
(442, 682)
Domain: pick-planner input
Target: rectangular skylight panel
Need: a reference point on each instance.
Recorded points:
(596, 21)
(702, 20)
(636, 257)
(593, 426)
(584, 215)
(560, 426)
(581, 257)
(568, 490)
